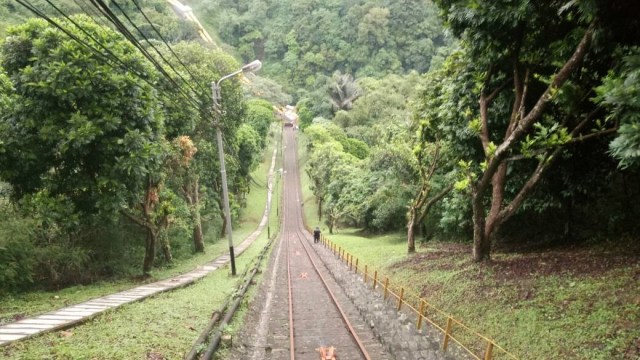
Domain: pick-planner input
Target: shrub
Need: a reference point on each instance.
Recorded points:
(17, 263)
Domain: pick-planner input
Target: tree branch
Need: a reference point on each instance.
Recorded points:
(581, 138)
(517, 201)
(525, 124)
(136, 220)
(434, 200)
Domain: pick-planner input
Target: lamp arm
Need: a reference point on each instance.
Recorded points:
(228, 76)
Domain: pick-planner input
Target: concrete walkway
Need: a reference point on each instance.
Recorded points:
(76, 314)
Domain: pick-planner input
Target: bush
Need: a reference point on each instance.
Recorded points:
(17, 262)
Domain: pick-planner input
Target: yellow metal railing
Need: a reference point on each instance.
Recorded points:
(451, 328)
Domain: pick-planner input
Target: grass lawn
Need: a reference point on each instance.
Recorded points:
(161, 327)
(580, 302)
(14, 307)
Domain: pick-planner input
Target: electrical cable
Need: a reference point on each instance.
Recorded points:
(91, 12)
(153, 46)
(193, 77)
(102, 7)
(108, 60)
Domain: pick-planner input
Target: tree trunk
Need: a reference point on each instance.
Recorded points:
(149, 252)
(568, 222)
(166, 250)
(497, 198)
(481, 245)
(411, 225)
(319, 209)
(485, 227)
(198, 238)
(520, 124)
(194, 206)
(223, 229)
(419, 209)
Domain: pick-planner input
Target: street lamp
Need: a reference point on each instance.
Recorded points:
(217, 109)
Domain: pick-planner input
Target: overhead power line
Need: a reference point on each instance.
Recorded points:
(106, 55)
(193, 78)
(109, 58)
(104, 9)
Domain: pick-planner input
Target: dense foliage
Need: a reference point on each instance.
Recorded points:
(494, 123)
(302, 41)
(529, 117)
(94, 136)
(529, 114)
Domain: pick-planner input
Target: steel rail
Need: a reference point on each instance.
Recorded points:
(352, 331)
(293, 182)
(292, 352)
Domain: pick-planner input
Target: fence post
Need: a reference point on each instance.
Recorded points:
(375, 279)
(488, 353)
(366, 270)
(400, 298)
(386, 287)
(419, 324)
(446, 335)
(356, 266)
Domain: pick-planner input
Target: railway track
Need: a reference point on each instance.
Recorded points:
(318, 323)
(305, 314)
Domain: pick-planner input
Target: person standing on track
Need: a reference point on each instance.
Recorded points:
(316, 235)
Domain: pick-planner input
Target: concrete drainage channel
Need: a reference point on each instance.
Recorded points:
(227, 311)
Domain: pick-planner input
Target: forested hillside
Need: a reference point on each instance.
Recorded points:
(310, 45)
(500, 125)
(300, 41)
(527, 117)
(526, 133)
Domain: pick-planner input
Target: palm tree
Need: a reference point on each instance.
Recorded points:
(343, 91)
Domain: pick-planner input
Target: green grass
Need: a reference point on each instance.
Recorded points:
(553, 304)
(534, 316)
(166, 324)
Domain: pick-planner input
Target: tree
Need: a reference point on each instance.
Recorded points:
(319, 169)
(429, 161)
(260, 116)
(340, 196)
(205, 65)
(532, 76)
(83, 128)
(620, 93)
(184, 177)
(343, 91)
